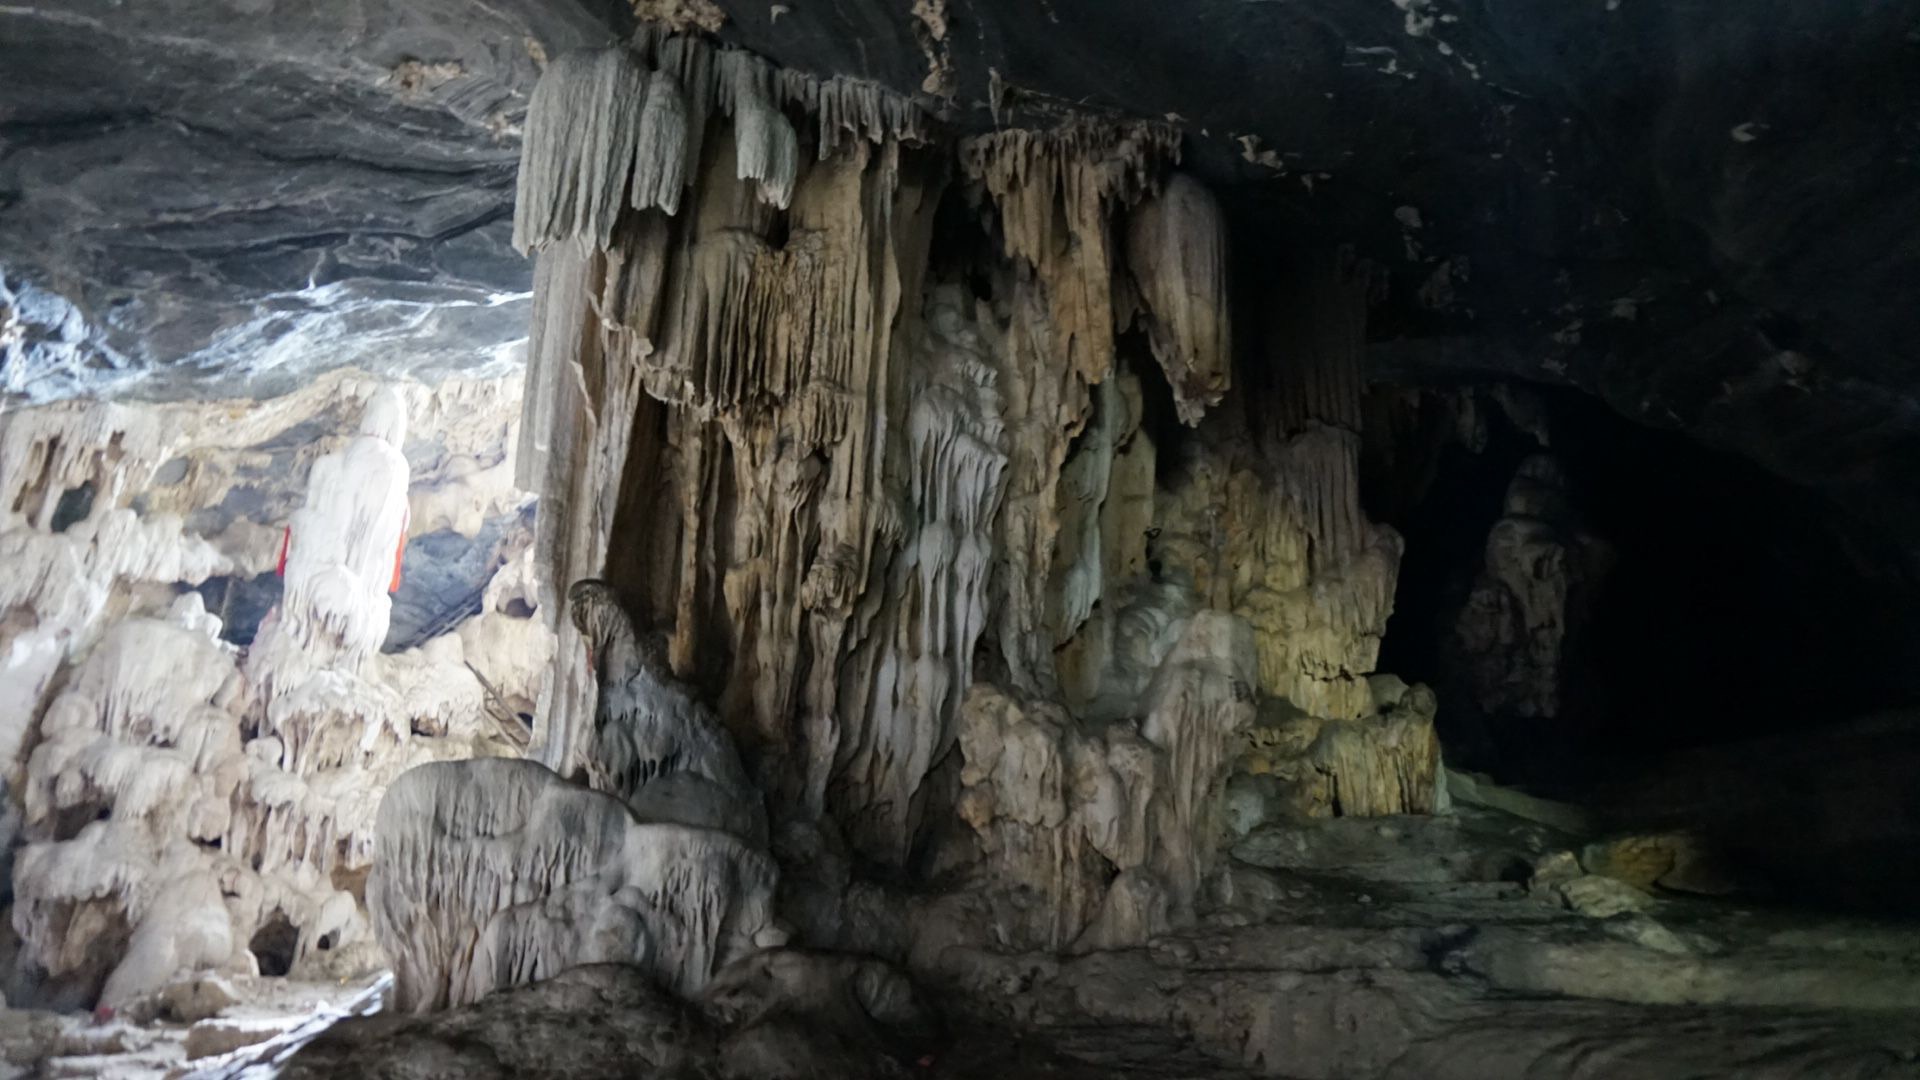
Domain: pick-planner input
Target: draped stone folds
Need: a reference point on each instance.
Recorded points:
(853, 462)
(493, 873)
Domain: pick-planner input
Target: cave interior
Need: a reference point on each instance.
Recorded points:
(895, 539)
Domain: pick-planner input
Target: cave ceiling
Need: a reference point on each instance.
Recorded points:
(1705, 213)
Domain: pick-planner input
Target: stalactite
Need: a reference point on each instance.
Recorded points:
(907, 680)
(1079, 558)
(1311, 397)
(1044, 407)
(839, 106)
(744, 329)
(1177, 252)
(555, 401)
(660, 148)
(584, 126)
(1056, 192)
(766, 149)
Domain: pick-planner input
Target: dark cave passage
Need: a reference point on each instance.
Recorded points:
(1736, 663)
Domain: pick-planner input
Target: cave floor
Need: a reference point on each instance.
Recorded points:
(1410, 947)
(1428, 954)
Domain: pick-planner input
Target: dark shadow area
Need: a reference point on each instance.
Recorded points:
(241, 603)
(1737, 605)
(444, 578)
(275, 945)
(1737, 671)
(74, 506)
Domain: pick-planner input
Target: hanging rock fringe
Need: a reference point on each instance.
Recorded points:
(839, 106)
(660, 152)
(766, 148)
(582, 128)
(1083, 170)
(1177, 251)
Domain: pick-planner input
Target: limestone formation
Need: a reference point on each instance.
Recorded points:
(655, 745)
(1109, 829)
(948, 536)
(493, 873)
(187, 803)
(1531, 600)
(853, 475)
(1177, 252)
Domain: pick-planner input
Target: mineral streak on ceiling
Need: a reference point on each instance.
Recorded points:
(1704, 213)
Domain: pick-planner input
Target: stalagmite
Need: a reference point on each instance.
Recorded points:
(654, 745)
(1177, 252)
(491, 873)
(343, 549)
(141, 746)
(1531, 596)
(1200, 699)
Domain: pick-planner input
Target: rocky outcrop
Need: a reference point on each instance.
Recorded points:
(490, 874)
(1298, 766)
(781, 1015)
(1101, 835)
(337, 198)
(655, 745)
